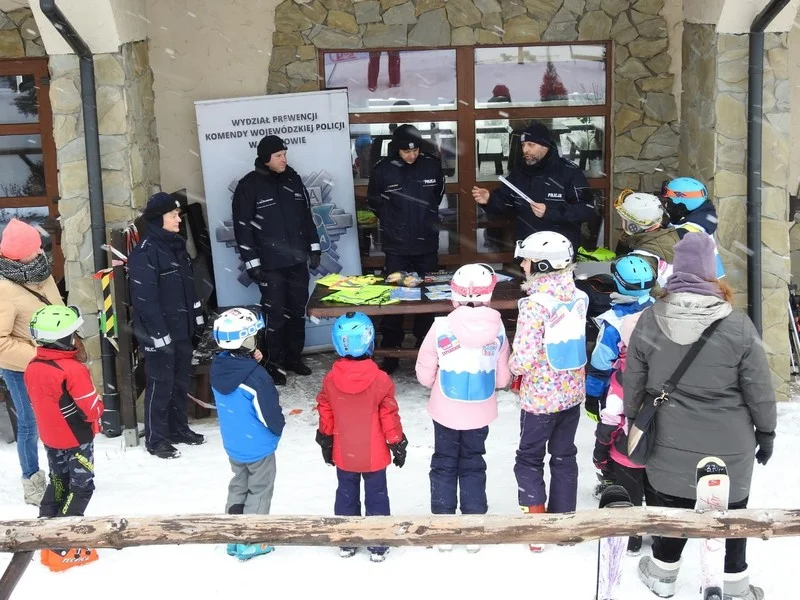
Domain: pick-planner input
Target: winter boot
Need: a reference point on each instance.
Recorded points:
(389, 364)
(378, 555)
(473, 548)
(164, 450)
(658, 576)
(278, 376)
(347, 552)
(532, 510)
(737, 587)
(231, 549)
(33, 488)
(444, 547)
(297, 366)
(601, 487)
(60, 559)
(248, 551)
(634, 545)
(188, 437)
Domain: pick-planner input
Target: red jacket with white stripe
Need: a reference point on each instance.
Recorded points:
(64, 400)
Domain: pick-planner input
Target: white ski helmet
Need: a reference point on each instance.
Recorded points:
(236, 328)
(639, 211)
(548, 251)
(473, 283)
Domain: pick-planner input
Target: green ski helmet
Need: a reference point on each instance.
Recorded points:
(53, 326)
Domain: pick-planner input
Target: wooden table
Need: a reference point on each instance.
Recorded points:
(505, 297)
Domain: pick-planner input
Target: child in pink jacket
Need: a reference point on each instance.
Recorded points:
(463, 359)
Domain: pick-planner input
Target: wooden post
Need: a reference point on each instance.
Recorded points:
(14, 572)
(565, 529)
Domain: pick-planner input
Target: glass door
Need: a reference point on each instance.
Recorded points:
(28, 171)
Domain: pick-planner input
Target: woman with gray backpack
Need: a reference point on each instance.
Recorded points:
(722, 405)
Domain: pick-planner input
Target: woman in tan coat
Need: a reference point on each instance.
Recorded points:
(26, 284)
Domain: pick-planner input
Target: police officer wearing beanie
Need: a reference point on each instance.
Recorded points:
(405, 190)
(167, 318)
(562, 199)
(277, 241)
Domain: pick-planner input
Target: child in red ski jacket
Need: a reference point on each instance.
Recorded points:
(359, 424)
(68, 410)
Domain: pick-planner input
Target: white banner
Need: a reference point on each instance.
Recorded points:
(316, 129)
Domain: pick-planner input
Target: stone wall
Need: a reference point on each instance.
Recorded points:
(644, 111)
(129, 149)
(713, 148)
(19, 34)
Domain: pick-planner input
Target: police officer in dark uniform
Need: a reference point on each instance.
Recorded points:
(405, 190)
(277, 240)
(167, 317)
(562, 199)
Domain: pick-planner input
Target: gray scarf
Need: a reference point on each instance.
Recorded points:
(34, 272)
(688, 282)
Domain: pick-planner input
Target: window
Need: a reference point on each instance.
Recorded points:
(28, 184)
(471, 104)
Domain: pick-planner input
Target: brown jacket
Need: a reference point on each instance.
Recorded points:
(660, 242)
(16, 309)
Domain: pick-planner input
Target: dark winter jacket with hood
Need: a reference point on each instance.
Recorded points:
(555, 182)
(704, 216)
(250, 417)
(272, 219)
(357, 407)
(165, 307)
(406, 199)
(723, 398)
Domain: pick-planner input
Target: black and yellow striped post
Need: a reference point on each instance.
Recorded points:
(108, 321)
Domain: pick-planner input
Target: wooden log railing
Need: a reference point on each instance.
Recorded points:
(22, 537)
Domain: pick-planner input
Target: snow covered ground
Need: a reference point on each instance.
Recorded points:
(130, 482)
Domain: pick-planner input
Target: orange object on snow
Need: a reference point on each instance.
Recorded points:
(61, 560)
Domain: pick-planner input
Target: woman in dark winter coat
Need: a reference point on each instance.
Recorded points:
(723, 406)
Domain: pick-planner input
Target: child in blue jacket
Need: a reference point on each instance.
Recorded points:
(634, 278)
(690, 209)
(250, 419)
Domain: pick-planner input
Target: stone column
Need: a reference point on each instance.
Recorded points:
(129, 149)
(714, 149)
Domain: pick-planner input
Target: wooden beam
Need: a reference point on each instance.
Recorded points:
(566, 529)
(14, 572)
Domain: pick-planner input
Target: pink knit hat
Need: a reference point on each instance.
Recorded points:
(19, 240)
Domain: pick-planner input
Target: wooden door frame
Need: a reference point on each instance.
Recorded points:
(38, 67)
(465, 114)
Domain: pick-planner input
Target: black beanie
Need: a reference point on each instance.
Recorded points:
(268, 146)
(406, 137)
(158, 205)
(538, 133)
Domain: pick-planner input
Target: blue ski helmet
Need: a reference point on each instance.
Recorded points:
(353, 335)
(633, 275)
(687, 191)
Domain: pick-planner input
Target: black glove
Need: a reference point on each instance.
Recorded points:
(326, 443)
(765, 443)
(600, 457)
(313, 259)
(399, 452)
(257, 275)
(592, 407)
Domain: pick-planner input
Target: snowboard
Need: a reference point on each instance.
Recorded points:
(611, 551)
(713, 487)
